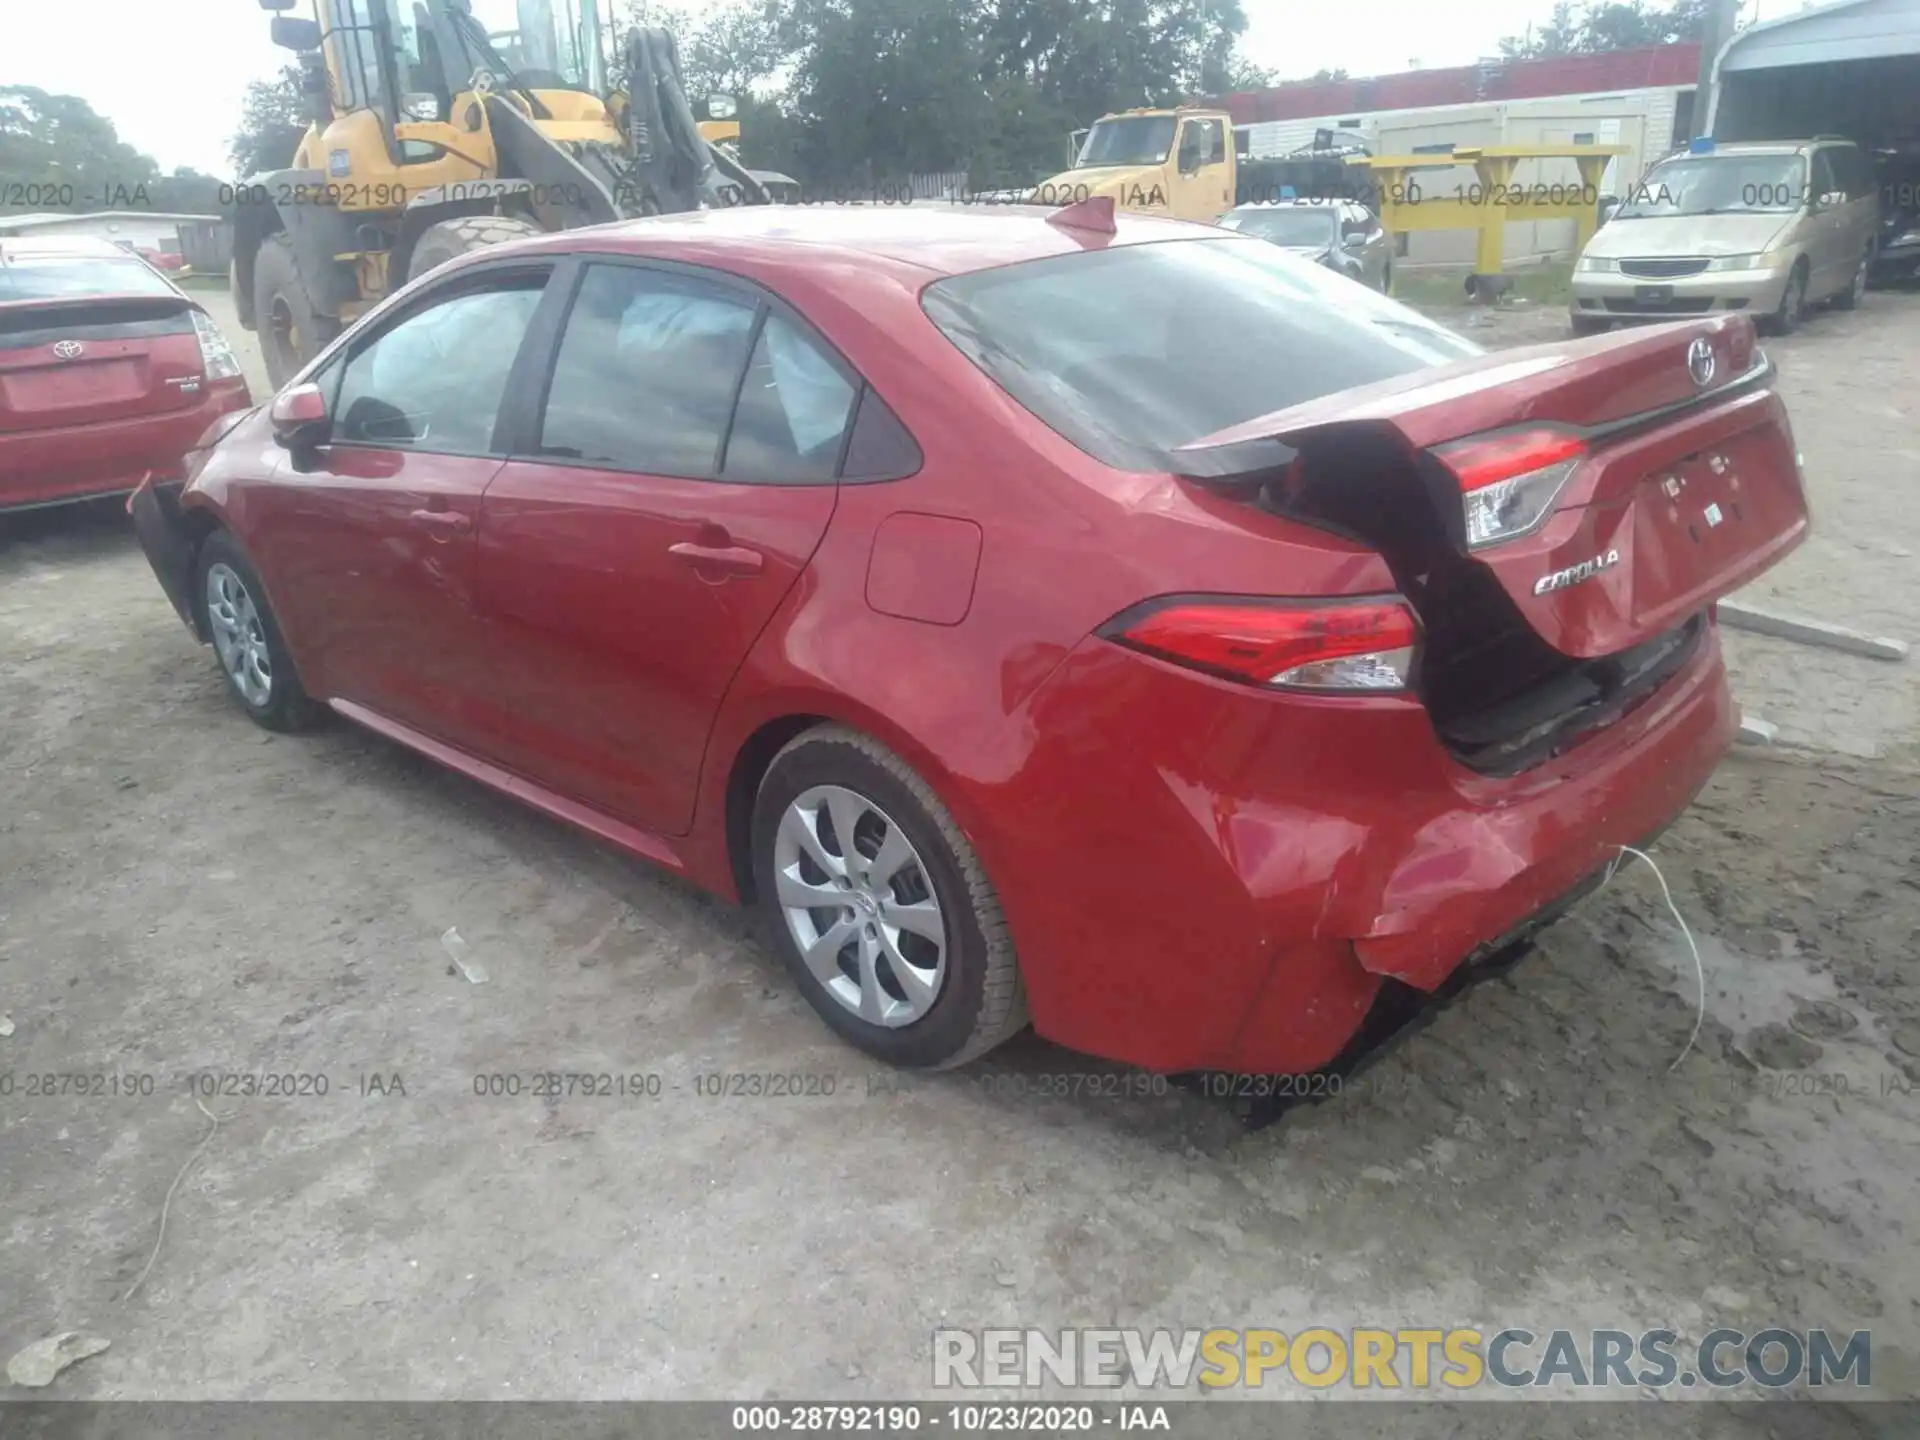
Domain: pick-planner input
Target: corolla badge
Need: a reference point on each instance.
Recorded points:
(1700, 362)
(1574, 574)
(68, 350)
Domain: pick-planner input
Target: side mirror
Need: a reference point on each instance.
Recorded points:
(1608, 204)
(1354, 240)
(294, 34)
(299, 417)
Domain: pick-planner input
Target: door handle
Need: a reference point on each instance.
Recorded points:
(728, 559)
(443, 523)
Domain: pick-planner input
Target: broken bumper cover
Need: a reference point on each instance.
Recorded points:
(168, 545)
(1248, 869)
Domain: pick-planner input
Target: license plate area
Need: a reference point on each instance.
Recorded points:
(1653, 294)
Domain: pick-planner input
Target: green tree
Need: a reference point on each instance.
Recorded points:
(273, 117)
(59, 141)
(1613, 25)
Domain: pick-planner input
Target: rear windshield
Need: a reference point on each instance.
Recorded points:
(47, 277)
(1133, 351)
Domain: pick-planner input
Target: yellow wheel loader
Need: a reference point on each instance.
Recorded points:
(441, 126)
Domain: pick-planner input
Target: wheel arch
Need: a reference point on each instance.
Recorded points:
(765, 734)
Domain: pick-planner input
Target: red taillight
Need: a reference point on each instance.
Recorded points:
(1486, 460)
(1317, 645)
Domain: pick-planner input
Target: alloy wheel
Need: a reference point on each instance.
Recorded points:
(859, 904)
(238, 636)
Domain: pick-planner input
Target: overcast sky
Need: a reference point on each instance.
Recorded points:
(171, 75)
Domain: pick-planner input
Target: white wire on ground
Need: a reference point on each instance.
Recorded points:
(167, 1204)
(1699, 969)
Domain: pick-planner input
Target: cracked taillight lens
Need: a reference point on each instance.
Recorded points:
(1509, 480)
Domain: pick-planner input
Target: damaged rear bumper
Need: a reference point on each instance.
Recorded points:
(1241, 874)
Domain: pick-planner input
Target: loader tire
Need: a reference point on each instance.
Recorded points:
(291, 331)
(452, 238)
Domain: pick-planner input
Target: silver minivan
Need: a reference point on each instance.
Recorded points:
(1767, 228)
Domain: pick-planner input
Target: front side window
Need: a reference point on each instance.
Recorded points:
(1201, 143)
(435, 380)
(1135, 350)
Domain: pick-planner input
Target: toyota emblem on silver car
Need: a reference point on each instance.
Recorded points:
(67, 349)
(1700, 362)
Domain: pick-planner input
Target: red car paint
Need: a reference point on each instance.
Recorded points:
(1197, 872)
(99, 389)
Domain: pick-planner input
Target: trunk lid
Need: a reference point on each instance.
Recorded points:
(77, 361)
(1686, 484)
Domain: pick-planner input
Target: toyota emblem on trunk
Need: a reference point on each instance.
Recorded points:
(67, 349)
(1700, 362)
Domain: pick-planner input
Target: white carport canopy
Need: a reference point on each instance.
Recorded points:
(1848, 69)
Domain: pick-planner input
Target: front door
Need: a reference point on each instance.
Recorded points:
(373, 533)
(669, 495)
(1203, 172)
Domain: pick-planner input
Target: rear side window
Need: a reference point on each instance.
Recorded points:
(1133, 351)
(647, 372)
(1851, 170)
(47, 278)
(664, 373)
(793, 411)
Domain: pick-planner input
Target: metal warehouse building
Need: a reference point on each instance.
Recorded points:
(1849, 69)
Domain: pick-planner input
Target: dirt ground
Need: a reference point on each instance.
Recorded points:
(181, 893)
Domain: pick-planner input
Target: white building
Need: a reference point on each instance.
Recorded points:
(147, 229)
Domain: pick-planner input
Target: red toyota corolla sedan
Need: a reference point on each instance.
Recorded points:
(1126, 627)
(108, 373)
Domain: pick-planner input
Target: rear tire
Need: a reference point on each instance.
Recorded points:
(291, 331)
(253, 655)
(451, 239)
(962, 994)
(1849, 298)
(1590, 325)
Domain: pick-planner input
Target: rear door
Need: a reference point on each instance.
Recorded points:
(368, 543)
(671, 482)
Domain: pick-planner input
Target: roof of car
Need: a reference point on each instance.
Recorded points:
(936, 237)
(74, 247)
(1760, 147)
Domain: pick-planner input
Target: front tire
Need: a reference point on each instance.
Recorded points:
(892, 931)
(1589, 325)
(1793, 304)
(253, 655)
(451, 239)
(291, 331)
